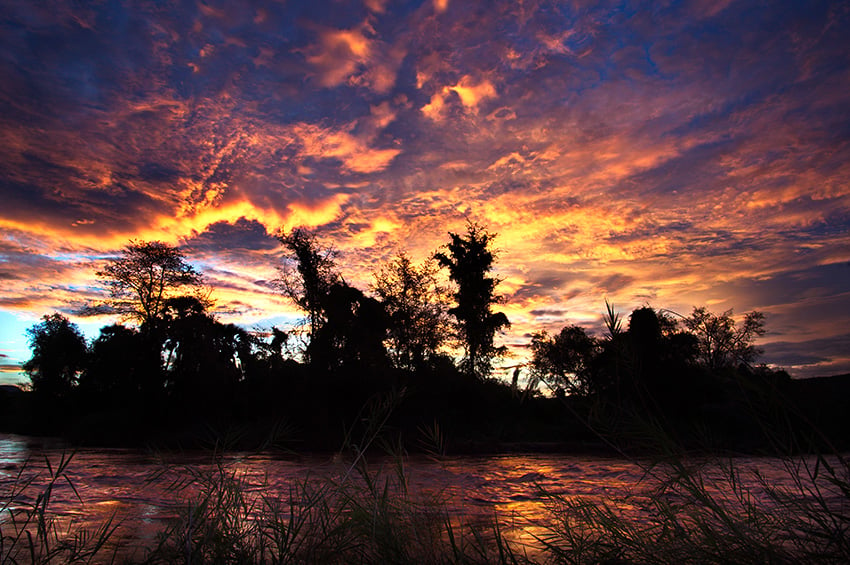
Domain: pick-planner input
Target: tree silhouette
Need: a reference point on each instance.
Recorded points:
(58, 355)
(661, 360)
(645, 345)
(469, 260)
(720, 342)
(203, 357)
(145, 276)
(564, 362)
(416, 311)
(308, 273)
(269, 353)
(123, 364)
(353, 335)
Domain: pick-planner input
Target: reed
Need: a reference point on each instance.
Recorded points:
(707, 507)
(31, 533)
(365, 513)
(687, 508)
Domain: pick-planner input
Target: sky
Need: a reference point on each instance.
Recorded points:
(671, 154)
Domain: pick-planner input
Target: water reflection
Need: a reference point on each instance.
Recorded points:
(138, 488)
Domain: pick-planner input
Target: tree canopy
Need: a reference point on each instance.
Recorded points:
(145, 275)
(416, 310)
(469, 259)
(564, 362)
(307, 275)
(58, 355)
(721, 342)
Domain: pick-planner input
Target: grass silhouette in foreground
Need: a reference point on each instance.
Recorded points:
(685, 509)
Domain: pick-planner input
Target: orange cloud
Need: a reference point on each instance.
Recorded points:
(356, 57)
(470, 93)
(338, 55)
(312, 215)
(355, 154)
(377, 6)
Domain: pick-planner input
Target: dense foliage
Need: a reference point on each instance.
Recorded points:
(415, 306)
(183, 374)
(58, 356)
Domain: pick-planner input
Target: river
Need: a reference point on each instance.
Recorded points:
(137, 487)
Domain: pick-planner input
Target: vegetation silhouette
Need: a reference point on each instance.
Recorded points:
(373, 373)
(307, 275)
(182, 377)
(144, 277)
(416, 309)
(469, 259)
(58, 356)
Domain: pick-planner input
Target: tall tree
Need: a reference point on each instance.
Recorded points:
(145, 275)
(58, 355)
(416, 310)
(469, 260)
(308, 273)
(124, 366)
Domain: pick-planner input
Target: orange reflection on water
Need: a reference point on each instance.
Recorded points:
(527, 498)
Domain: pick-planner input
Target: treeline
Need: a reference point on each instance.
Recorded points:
(178, 375)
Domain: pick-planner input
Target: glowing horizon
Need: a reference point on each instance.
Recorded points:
(674, 154)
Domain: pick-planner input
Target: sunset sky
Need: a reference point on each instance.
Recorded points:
(664, 153)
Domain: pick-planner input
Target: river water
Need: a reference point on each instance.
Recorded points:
(137, 488)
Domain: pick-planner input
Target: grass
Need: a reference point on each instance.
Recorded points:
(685, 509)
(362, 515)
(712, 508)
(709, 514)
(31, 533)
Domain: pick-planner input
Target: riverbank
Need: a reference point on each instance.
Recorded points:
(803, 416)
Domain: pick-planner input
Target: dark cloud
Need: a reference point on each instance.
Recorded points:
(810, 358)
(614, 283)
(90, 310)
(25, 264)
(239, 236)
(543, 312)
(158, 172)
(796, 287)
